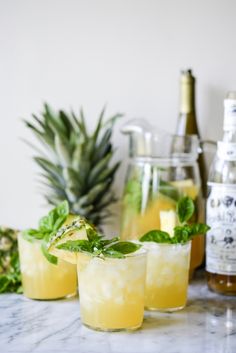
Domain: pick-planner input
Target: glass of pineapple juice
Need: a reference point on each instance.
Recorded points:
(41, 279)
(167, 276)
(112, 291)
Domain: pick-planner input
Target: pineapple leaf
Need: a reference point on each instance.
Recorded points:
(40, 122)
(76, 122)
(93, 194)
(108, 173)
(66, 122)
(55, 189)
(111, 121)
(72, 194)
(50, 181)
(104, 146)
(106, 202)
(43, 137)
(82, 124)
(99, 125)
(76, 157)
(54, 123)
(35, 148)
(98, 168)
(71, 177)
(62, 150)
(81, 210)
(52, 169)
(45, 127)
(90, 146)
(84, 169)
(53, 199)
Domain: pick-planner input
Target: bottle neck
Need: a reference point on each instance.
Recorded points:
(187, 93)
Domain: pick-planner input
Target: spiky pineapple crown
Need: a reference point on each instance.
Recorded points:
(77, 165)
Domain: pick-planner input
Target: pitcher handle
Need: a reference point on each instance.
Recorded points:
(207, 145)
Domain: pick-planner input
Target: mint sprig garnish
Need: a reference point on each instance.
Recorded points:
(96, 245)
(158, 236)
(182, 233)
(48, 226)
(185, 209)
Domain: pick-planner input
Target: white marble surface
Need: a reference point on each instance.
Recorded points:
(206, 325)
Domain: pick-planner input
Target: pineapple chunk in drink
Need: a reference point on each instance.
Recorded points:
(168, 220)
(149, 219)
(112, 291)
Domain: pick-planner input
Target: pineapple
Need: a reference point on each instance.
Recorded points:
(75, 164)
(10, 280)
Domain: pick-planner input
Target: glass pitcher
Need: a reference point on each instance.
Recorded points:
(162, 168)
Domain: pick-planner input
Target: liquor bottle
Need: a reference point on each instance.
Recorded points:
(187, 125)
(221, 208)
(187, 120)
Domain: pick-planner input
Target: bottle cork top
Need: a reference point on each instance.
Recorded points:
(187, 76)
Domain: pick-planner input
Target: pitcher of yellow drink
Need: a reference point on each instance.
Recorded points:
(162, 168)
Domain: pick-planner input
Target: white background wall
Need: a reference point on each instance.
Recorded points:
(127, 53)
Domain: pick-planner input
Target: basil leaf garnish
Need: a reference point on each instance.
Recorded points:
(48, 225)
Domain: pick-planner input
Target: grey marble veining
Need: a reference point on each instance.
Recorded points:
(206, 325)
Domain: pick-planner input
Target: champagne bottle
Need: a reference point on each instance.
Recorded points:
(187, 125)
(221, 208)
(187, 121)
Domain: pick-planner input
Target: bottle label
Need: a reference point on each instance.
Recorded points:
(226, 150)
(229, 113)
(221, 238)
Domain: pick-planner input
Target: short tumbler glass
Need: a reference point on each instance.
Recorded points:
(41, 279)
(167, 276)
(112, 291)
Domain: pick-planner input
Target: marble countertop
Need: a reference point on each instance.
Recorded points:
(206, 325)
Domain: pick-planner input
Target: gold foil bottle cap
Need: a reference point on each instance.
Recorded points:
(186, 76)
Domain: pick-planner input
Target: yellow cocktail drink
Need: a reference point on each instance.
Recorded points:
(40, 278)
(112, 291)
(167, 276)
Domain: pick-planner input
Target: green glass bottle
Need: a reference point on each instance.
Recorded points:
(187, 125)
(187, 120)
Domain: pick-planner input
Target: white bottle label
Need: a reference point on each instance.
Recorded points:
(221, 238)
(229, 113)
(226, 150)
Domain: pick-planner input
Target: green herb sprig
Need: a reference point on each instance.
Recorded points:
(182, 233)
(48, 226)
(96, 245)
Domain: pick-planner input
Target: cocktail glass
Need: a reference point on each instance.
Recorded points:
(40, 278)
(112, 291)
(167, 276)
